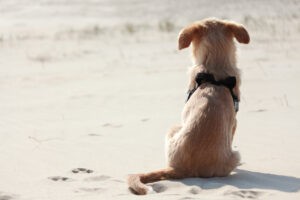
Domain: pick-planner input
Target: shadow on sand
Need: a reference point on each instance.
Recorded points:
(244, 179)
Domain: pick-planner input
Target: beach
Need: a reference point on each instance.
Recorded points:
(90, 88)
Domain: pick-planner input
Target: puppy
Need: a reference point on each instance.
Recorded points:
(201, 145)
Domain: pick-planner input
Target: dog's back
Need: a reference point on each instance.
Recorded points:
(206, 139)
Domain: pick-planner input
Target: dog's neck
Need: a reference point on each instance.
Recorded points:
(218, 60)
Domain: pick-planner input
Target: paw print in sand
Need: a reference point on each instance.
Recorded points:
(59, 178)
(82, 170)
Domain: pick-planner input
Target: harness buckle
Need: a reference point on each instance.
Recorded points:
(236, 105)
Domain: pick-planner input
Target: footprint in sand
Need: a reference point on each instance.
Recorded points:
(110, 125)
(186, 198)
(195, 190)
(97, 178)
(144, 119)
(247, 194)
(118, 181)
(92, 189)
(94, 135)
(82, 170)
(158, 187)
(59, 178)
(4, 196)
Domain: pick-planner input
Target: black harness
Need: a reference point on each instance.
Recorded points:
(228, 82)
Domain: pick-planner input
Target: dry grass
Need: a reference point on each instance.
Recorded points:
(41, 58)
(130, 28)
(166, 26)
(89, 32)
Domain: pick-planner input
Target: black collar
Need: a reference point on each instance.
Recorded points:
(228, 82)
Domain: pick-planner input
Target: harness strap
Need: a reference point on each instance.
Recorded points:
(228, 82)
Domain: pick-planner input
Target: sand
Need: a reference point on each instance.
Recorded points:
(95, 85)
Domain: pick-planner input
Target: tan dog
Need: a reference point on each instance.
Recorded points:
(201, 145)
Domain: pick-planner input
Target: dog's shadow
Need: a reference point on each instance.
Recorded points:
(244, 179)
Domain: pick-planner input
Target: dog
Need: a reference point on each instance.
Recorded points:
(201, 145)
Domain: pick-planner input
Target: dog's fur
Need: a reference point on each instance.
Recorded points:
(201, 145)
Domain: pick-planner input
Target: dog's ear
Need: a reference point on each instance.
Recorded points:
(187, 35)
(239, 32)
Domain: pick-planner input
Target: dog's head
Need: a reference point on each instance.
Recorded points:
(212, 36)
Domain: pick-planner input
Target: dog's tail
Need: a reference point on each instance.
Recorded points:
(136, 182)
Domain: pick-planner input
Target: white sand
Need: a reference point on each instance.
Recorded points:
(96, 85)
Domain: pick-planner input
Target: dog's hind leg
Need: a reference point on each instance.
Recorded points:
(233, 161)
(233, 129)
(168, 141)
(227, 167)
